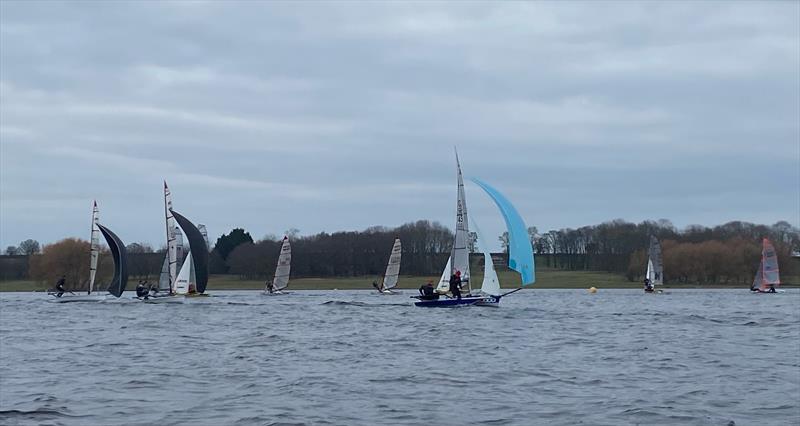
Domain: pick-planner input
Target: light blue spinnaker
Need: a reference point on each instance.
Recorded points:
(520, 251)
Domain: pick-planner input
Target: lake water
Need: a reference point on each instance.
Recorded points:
(550, 357)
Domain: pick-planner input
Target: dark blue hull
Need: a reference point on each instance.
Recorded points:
(464, 301)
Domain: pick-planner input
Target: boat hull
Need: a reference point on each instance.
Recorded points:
(492, 301)
(164, 299)
(66, 298)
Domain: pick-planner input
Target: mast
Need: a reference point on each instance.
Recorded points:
(171, 243)
(460, 252)
(95, 246)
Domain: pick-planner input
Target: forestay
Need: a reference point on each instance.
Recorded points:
(393, 267)
(282, 270)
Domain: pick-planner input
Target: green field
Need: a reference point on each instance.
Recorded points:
(545, 278)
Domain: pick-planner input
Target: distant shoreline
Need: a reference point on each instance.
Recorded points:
(547, 280)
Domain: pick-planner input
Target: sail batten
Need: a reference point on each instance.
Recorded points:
(172, 261)
(768, 271)
(460, 251)
(655, 264)
(393, 266)
(282, 270)
(95, 246)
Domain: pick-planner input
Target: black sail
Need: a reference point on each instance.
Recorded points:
(197, 245)
(120, 279)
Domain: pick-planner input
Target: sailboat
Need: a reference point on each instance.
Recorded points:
(392, 270)
(193, 277)
(768, 275)
(520, 256)
(94, 254)
(655, 266)
(167, 279)
(120, 278)
(281, 279)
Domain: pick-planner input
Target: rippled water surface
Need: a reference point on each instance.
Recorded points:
(618, 357)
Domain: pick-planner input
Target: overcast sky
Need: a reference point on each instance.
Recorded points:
(327, 116)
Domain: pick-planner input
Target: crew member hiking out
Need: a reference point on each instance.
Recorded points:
(60, 286)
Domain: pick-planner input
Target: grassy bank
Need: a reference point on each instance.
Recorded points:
(545, 278)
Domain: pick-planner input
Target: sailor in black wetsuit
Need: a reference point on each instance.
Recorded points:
(426, 291)
(455, 285)
(60, 286)
(142, 290)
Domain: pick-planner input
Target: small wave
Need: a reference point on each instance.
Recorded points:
(344, 303)
(39, 413)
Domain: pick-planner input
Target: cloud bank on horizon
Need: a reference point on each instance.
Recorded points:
(328, 116)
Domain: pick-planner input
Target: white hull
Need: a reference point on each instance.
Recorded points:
(389, 292)
(276, 293)
(164, 299)
(77, 298)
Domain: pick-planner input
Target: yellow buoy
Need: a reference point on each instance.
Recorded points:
(592, 290)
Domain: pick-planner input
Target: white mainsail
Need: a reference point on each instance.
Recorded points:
(490, 284)
(95, 247)
(180, 250)
(202, 229)
(393, 267)
(655, 266)
(460, 252)
(171, 243)
(184, 276)
(281, 279)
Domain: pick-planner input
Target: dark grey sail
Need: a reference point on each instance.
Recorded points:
(198, 248)
(120, 256)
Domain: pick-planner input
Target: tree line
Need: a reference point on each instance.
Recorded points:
(697, 254)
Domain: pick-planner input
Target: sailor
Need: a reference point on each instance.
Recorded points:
(377, 287)
(141, 290)
(192, 289)
(270, 287)
(427, 292)
(455, 285)
(60, 285)
(771, 289)
(647, 285)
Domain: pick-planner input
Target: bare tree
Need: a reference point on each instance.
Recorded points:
(29, 247)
